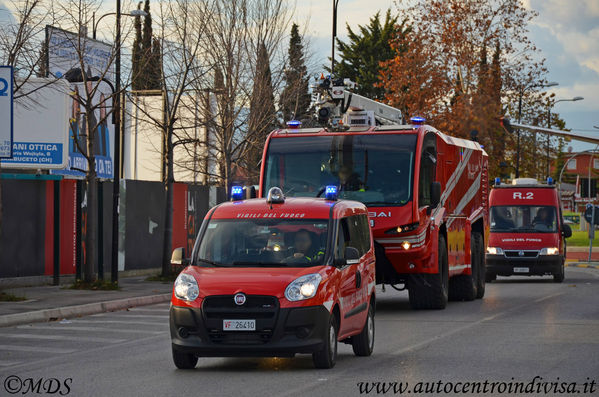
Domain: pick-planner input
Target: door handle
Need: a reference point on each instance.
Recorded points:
(358, 279)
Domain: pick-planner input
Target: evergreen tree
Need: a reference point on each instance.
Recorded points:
(262, 117)
(295, 98)
(136, 83)
(146, 55)
(361, 57)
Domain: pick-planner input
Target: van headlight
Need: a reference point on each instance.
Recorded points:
(304, 287)
(186, 287)
(494, 251)
(549, 251)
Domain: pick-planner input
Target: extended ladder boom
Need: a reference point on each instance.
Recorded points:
(336, 106)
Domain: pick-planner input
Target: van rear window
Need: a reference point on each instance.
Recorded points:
(523, 219)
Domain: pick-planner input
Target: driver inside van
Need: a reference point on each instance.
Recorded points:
(305, 248)
(543, 220)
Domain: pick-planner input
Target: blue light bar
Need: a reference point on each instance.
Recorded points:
(237, 193)
(550, 181)
(293, 124)
(330, 192)
(418, 120)
(497, 181)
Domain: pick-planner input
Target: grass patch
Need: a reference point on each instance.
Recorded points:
(581, 239)
(98, 285)
(5, 297)
(168, 279)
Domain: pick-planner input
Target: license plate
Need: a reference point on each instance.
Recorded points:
(239, 325)
(521, 270)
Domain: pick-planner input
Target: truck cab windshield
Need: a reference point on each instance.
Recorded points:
(376, 169)
(263, 243)
(523, 219)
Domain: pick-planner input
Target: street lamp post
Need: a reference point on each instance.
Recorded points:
(549, 106)
(133, 13)
(114, 266)
(522, 89)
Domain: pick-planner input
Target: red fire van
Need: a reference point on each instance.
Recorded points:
(527, 235)
(276, 277)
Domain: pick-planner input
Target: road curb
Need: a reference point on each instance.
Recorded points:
(583, 265)
(8, 320)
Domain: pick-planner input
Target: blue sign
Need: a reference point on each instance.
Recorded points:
(36, 153)
(6, 112)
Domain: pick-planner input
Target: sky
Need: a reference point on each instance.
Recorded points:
(566, 32)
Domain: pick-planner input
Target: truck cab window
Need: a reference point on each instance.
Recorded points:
(428, 166)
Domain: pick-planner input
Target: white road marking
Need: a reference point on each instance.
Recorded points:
(36, 349)
(64, 337)
(89, 329)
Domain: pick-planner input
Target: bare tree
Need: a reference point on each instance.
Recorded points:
(182, 24)
(231, 47)
(92, 109)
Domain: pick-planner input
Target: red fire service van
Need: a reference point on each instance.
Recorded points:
(276, 277)
(528, 232)
(426, 192)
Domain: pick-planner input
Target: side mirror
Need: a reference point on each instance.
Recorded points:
(178, 257)
(566, 231)
(435, 194)
(352, 256)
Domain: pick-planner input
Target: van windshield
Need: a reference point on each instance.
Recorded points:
(523, 219)
(376, 169)
(263, 243)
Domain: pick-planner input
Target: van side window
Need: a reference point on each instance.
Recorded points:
(428, 166)
(343, 238)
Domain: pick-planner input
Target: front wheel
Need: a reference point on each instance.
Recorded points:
(363, 343)
(326, 357)
(560, 275)
(184, 360)
(429, 291)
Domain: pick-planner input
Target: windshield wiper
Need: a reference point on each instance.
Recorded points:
(215, 264)
(259, 264)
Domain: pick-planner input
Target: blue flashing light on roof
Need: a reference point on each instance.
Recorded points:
(237, 193)
(330, 192)
(550, 181)
(418, 120)
(497, 181)
(294, 124)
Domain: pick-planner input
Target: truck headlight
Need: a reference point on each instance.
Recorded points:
(304, 287)
(549, 251)
(186, 287)
(494, 251)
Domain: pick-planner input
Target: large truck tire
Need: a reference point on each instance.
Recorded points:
(465, 286)
(430, 291)
(482, 264)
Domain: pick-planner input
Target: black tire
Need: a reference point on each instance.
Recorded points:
(363, 343)
(482, 265)
(184, 360)
(560, 275)
(430, 291)
(463, 287)
(327, 356)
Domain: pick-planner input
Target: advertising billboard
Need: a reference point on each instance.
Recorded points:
(41, 126)
(64, 49)
(6, 112)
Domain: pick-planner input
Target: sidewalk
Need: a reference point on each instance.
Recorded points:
(581, 254)
(48, 303)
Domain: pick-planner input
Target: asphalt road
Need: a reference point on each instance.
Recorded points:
(524, 328)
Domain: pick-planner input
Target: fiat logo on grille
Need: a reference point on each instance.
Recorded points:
(239, 299)
(521, 253)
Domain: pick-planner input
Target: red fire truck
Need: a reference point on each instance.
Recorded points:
(426, 192)
(527, 230)
(276, 277)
